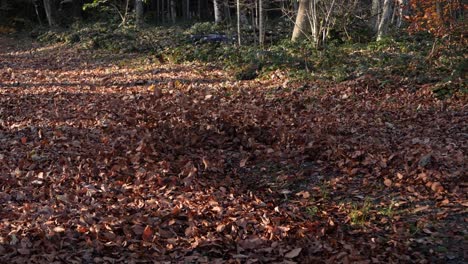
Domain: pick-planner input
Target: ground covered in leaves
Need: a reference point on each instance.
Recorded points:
(128, 159)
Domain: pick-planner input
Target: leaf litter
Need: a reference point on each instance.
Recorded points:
(111, 159)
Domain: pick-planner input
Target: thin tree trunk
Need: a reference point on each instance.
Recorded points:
(227, 12)
(49, 10)
(327, 22)
(375, 14)
(168, 10)
(254, 23)
(139, 12)
(239, 23)
(218, 11)
(261, 29)
(402, 11)
(300, 27)
(125, 14)
(385, 20)
(187, 9)
(173, 12)
(314, 22)
(199, 9)
(36, 8)
(158, 10)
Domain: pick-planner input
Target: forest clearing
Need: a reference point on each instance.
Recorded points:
(116, 147)
(99, 163)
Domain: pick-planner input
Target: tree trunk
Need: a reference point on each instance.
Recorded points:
(49, 10)
(314, 22)
(301, 27)
(173, 12)
(402, 11)
(385, 20)
(375, 14)
(199, 5)
(227, 12)
(239, 41)
(261, 27)
(188, 16)
(139, 12)
(36, 9)
(218, 11)
(158, 10)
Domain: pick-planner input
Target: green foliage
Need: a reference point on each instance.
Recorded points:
(312, 211)
(388, 211)
(360, 214)
(411, 58)
(204, 28)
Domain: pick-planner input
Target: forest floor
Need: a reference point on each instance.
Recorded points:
(110, 158)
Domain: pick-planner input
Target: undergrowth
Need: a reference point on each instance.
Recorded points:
(407, 59)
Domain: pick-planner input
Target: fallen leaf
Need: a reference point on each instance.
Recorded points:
(399, 176)
(293, 253)
(437, 187)
(59, 229)
(147, 233)
(243, 162)
(388, 182)
(304, 194)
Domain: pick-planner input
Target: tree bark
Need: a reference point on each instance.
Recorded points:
(239, 41)
(402, 11)
(218, 11)
(301, 27)
(187, 10)
(385, 20)
(261, 27)
(375, 14)
(139, 12)
(50, 14)
(173, 12)
(36, 9)
(199, 5)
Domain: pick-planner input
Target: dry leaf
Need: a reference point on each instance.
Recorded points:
(304, 194)
(147, 233)
(437, 187)
(243, 162)
(388, 182)
(59, 229)
(293, 253)
(399, 176)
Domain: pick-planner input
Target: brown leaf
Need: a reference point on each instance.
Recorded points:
(220, 228)
(437, 187)
(59, 229)
(388, 182)
(147, 233)
(293, 253)
(243, 162)
(399, 176)
(304, 194)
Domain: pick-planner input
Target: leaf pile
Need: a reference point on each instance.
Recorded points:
(113, 159)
